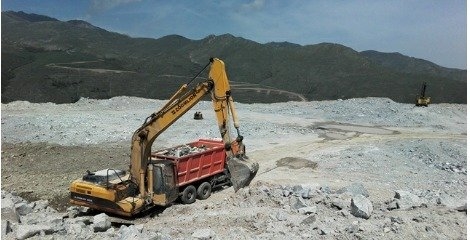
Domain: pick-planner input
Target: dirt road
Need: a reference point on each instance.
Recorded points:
(323, 146)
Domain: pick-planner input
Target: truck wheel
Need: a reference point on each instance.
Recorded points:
(204, 191)
(189, 195)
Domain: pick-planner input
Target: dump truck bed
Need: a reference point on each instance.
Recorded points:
(196, 160)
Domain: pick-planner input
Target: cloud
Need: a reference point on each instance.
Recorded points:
(103, 5)
(255, 5)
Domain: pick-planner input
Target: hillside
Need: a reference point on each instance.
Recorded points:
(399, 62)
(44, 59)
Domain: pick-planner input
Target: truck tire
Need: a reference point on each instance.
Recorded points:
(189, 195)
(204, 191)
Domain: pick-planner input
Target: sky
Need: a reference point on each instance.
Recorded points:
(434, 30)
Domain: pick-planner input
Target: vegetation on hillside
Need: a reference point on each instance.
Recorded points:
(44, 59)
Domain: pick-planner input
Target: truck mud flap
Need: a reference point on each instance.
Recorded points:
(242, 171)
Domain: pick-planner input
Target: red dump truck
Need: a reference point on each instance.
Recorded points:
(199, 167)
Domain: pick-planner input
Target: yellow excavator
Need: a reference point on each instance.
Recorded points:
(154, 182)
(421, 99)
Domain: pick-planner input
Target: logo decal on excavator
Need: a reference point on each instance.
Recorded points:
(186, 101)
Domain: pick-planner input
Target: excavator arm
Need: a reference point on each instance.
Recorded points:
(242, 171)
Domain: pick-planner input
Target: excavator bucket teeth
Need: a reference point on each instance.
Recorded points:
(242, 171)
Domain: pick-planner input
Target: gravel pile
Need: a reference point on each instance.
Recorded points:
(23, 220)
(265, 211)
(114, 120)
(347, 169)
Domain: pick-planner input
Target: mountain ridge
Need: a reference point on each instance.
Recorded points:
(318, 71)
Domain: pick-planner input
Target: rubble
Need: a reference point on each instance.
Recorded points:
(420, 153)
(181, 151)
(44, 222)
(315, 216)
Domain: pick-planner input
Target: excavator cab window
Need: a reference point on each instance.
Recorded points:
(170, 181)
(169, 178)
(158, 183)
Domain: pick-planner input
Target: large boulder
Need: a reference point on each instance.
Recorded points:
(308, 210)
(341, 201)
(204, 234)
(75, 229)
(40, 205)
(24, 208)
(101, 222)
(9, 211)
(303, 191)
(406, 200)
(131, 232)
(24, 231)
(452, 202)
(297, 203)
(42, 217)
(6, 228)
(361, 207)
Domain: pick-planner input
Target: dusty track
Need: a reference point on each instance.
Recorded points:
(235, 85)
(97, 70)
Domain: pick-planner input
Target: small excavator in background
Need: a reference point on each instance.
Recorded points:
(422, 100)
(198, 116)
(157, 180)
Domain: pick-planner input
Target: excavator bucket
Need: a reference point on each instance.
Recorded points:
(242, 171)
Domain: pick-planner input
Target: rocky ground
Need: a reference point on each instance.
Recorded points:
(354, 169)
